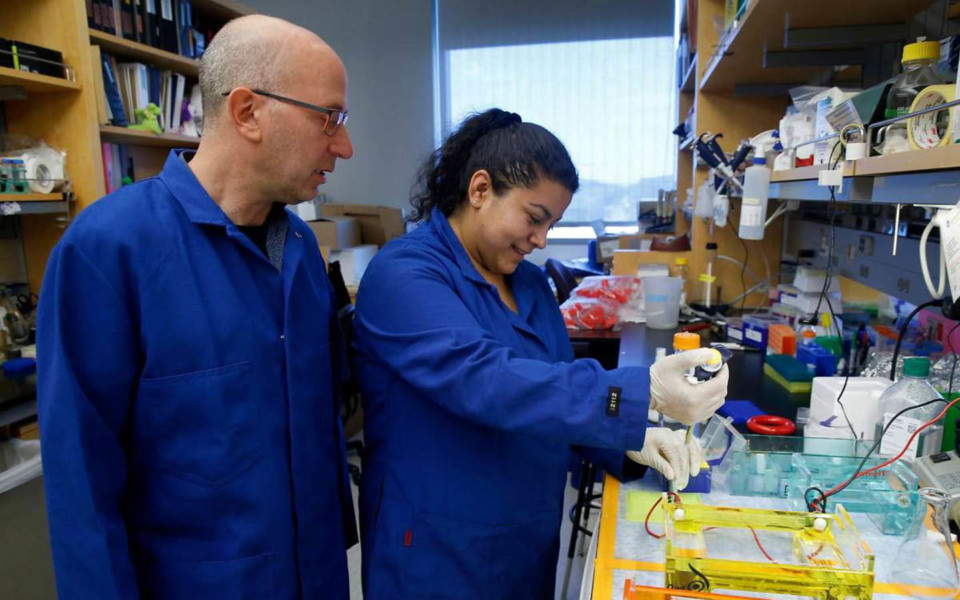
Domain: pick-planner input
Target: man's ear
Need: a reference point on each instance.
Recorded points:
(246, 110)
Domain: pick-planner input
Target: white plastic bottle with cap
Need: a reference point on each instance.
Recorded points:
(756, 194)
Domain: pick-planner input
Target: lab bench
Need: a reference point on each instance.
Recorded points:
(621, 548)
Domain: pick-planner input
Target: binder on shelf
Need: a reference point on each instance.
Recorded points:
(179, 86)
(138, 21)
(184, 27)
(106, 13)
(112, 91)
(91, 22)
(167, 27)
(103, 109)
(148, 16)
(153, 12)
(127, 25)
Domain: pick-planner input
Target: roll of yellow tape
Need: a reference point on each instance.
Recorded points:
(934, 128)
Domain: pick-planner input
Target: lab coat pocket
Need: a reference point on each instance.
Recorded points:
(250, 578)
(457, 559)
(200, 426)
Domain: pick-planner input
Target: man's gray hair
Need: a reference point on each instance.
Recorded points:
(238, 56)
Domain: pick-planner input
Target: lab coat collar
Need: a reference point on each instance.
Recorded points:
(520, 285)
(442, 226)
(185, 187)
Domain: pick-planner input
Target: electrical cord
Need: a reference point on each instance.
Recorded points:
(846, 379)
(819, 504)
(953, 368)
(833, 236)
(676, 498)
(902, 332)
(746, 258)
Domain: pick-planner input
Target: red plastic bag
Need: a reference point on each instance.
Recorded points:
(589, 313)
(616, 288)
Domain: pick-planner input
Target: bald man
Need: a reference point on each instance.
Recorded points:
(189, 353)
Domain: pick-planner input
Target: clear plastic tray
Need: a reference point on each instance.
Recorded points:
(889, 495)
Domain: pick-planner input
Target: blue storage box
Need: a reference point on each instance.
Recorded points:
(823, 361)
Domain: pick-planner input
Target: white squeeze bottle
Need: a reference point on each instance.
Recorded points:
(912, 389)
(756, 193)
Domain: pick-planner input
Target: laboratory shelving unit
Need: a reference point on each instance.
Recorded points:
(742, 77)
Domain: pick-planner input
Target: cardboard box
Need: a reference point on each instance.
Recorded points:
(378, 224)
(627, 262)
(336, 232)
(308, 211)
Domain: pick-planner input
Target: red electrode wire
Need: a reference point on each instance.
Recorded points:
(836, 488)
(676, 497)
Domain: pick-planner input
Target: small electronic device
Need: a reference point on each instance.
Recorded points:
(942, 471)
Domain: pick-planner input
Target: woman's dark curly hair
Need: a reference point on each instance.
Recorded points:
(514, 153)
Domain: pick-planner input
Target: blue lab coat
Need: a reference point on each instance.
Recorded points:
(470, 412)
(192, 445)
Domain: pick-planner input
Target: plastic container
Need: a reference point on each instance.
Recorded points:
(682, 271)
(662, 301)
(815, 356)
(919, 63)
(861, 397)
(756, 194)
(811, 280)
(889, 497)
(912, 389)
(755, 330)
(781, 339)
(806, 330)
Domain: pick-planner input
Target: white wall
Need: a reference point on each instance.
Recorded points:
(387, 48)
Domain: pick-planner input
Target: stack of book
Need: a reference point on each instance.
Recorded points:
(124, 87)
(164, 24)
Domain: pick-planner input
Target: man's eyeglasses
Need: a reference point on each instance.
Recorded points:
(333, 117)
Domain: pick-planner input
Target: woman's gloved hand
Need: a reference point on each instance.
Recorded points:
(667, 451)
(674, 396)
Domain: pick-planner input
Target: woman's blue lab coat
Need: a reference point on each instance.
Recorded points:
(191, 440)
(470, 412)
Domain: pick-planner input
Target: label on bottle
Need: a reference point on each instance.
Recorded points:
(896, 437)
(950, 244)
(751, 213)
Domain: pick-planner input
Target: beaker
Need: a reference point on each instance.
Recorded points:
(926, 560)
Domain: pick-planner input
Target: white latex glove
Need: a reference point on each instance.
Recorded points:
(674, 396)
(667, 451)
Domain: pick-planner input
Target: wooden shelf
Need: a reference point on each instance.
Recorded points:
(739, 55)
(804, 173)
(154, 56)
(954, 11)
(31, 198)
(917, 161)
(122, 135)
(34, 83)
(931, 159)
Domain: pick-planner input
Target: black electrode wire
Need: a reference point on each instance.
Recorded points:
(846, 379)
(902, 333)
(833, 236)
(819, 504)
(953, 368)
(746, 257)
